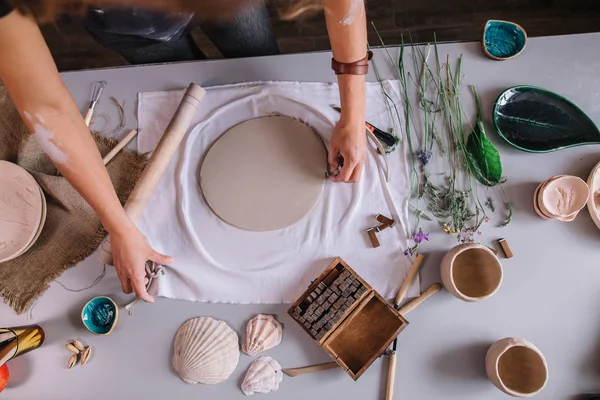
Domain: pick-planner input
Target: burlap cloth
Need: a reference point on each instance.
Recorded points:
(72, 230)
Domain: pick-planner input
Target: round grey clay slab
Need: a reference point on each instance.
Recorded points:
(264, 174)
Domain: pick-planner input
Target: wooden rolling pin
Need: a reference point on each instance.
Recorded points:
(160, 159)
(310, 369)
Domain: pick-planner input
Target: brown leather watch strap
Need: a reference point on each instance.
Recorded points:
(360, 67)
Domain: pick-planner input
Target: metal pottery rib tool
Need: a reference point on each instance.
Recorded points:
(96, 93)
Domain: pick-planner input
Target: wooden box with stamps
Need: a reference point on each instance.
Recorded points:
(347, 318)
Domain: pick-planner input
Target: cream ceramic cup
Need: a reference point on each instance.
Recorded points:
(471, 272)
(516, 367)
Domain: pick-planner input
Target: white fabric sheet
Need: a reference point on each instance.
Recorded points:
(216, 262)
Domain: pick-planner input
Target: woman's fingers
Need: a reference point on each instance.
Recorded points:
(125, 284)
(357, 173)
(333, 157)
(161, 258)
(347, 170)
(140, 289)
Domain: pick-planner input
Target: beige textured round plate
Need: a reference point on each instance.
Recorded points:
(264, 174)
(42, 222)
(20, 210)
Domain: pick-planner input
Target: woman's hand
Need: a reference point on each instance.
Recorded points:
(130, 253)
(348, 140)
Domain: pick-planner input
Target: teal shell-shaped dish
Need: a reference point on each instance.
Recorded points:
(503, 40)
(100, 315)
(539, 121)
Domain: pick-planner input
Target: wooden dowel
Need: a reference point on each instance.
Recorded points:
(411, 305)
(160, 159)
(111, 154)
(389, 393)
(412, 272)
(310, 369)
(88, 116)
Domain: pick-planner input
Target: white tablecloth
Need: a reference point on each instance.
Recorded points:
(216, 262)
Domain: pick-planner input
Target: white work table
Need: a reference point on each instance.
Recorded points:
(549, 295)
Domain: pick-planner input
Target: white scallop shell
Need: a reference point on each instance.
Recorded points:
(263, 332)
(263, 376)
(205, 351)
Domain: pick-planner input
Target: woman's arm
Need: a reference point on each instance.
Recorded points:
(347, 27)
(30, 75)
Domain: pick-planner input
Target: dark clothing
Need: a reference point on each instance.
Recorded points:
(5, 7)
(146, 37)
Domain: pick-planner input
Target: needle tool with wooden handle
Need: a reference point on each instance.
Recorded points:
(405, 309)
(119, 146)
(159, 161)
(410, 277)
(310, 369)
(96, 93)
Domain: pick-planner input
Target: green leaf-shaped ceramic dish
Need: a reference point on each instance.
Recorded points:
(537, 120)
(503, 40)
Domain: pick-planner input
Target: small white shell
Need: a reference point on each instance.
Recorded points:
(205, 351)
(263, 376)
(263, 332)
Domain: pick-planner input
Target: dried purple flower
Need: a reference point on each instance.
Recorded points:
(424, 156)
(419, 237)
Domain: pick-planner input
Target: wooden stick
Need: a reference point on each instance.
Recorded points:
(412, 272)
(389, 393)
(166, 148)
(310, 369)
(411, 305)
(88, 116)
(119, 146)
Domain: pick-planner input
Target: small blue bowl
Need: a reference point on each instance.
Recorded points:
(100, 315)
(503, 40)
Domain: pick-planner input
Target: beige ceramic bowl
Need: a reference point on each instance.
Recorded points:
(594, 200)
(471, 272)
(516, 367)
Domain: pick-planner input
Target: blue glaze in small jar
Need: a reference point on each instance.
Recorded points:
(100, 315)
(503, 40)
